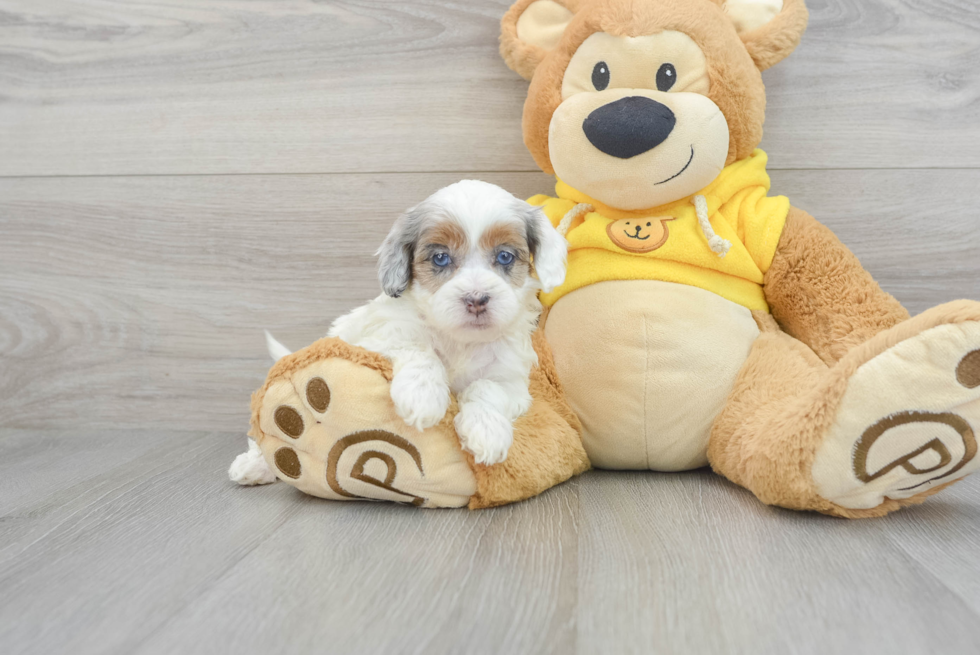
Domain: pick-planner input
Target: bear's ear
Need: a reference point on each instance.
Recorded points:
(530, 30)
(770, 29)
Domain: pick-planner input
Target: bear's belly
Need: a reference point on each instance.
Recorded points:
(648, 366)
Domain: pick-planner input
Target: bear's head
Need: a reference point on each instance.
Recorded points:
(638, 103)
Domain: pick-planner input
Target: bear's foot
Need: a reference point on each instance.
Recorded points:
(326, 424)
(908, 419)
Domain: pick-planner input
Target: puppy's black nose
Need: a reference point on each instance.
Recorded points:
(476, 303)
(629, 126)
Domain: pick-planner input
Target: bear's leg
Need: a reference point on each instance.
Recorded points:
(777, 380)
(325, 423)
(819, 292)
(892, 422)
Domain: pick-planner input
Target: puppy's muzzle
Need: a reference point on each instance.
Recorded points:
(476, 304)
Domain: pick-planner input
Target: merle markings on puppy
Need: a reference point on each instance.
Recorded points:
(460, 273)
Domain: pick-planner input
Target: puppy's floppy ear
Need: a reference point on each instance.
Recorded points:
(548, 248)
(770, 29)
(530, 30)
(397, 251)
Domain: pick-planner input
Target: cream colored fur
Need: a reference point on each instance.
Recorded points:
(837, 402)
(842, 404)
(437, 346)
(648, 366)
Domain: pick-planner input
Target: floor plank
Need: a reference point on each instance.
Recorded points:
(162, 554)
(143, 87)
(98, 566)
(62, 460)
(388, 579)
(936, 537)
(158, 553)
(691, 563)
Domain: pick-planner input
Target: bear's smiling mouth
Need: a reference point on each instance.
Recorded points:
(636, 236)
(680, 171)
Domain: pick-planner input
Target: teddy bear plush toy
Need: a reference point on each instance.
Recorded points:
(703, 321)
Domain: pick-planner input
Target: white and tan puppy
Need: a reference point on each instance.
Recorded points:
(460, 273)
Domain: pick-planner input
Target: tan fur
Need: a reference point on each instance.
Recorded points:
(523, 58)
(547, 448)
(322, 349)
(511, 236)
(424, 273)
(444, 235)
(784, 401)
(819, 292)
(735, 81)
(504, 234)
(828, 315)
(774, 41)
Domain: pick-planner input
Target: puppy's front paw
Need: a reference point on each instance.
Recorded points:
(484, 432)
(420, 398)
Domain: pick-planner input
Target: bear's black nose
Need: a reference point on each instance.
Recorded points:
(629, 126)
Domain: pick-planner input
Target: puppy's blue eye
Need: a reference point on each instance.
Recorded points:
(441, 259)
(505, 258)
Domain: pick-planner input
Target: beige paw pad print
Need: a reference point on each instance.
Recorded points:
(330, 429)
(908, 421)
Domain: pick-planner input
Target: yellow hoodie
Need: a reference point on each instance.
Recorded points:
(668, 243)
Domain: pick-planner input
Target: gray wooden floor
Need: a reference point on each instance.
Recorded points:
(176, 176)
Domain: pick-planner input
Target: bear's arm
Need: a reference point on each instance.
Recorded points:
(819, 293)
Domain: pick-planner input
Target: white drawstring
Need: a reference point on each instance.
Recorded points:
(574, 213)
(715, 242)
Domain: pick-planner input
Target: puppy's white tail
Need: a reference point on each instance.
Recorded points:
(276, 350)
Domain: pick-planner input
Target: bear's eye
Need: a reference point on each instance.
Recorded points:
(600, 76)
(666, 77)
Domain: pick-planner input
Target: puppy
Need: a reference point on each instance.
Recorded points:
(460, 273)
